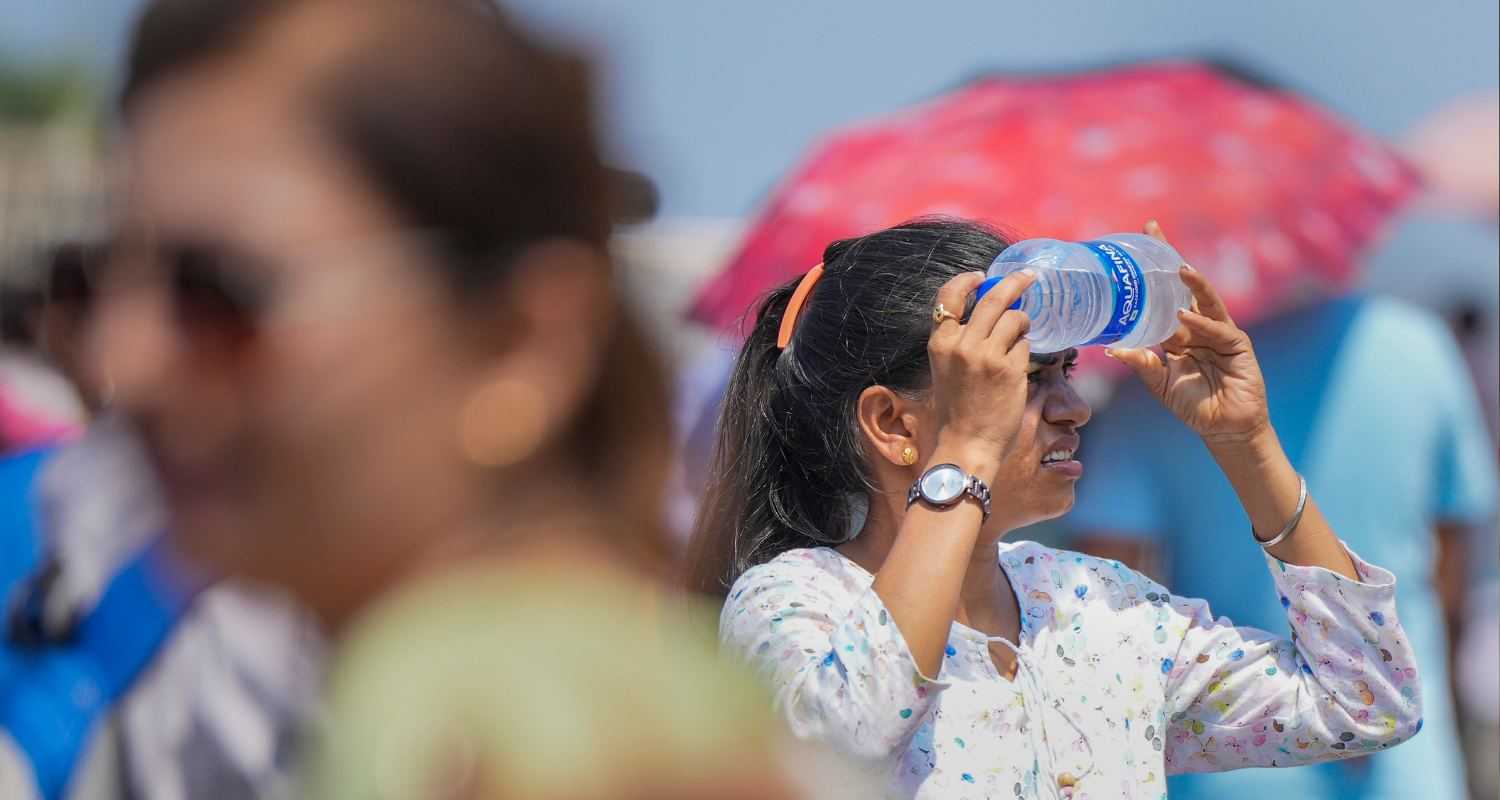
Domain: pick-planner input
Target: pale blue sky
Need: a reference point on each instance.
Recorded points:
(715, 99)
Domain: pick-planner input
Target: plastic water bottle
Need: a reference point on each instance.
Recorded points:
(1121, 290)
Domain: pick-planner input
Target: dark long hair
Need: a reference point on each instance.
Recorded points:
(788, 455)
(479, 133)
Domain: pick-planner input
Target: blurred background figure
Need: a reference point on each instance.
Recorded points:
(1467, 130)
(116, 679)
(361, 310)
(1476, 650)
(114, 684)
(1458, 150)
(51, 176)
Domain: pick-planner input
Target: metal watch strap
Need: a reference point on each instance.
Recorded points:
(979, 490)
(973, 487)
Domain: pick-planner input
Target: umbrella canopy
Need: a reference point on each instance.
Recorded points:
(1269, 195)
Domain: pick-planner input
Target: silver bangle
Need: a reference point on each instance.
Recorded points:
(1291, 525)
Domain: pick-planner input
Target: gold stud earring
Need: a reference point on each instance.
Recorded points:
(503, 423)
(908, 455)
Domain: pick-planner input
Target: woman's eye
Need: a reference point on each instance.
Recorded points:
(1065, 372)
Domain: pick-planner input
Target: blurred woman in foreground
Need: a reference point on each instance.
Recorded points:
(362, 314)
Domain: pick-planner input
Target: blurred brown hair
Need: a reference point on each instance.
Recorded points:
(483, 137)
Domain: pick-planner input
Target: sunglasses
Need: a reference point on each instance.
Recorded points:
(216, 294)
(71, 271)
(224, 294)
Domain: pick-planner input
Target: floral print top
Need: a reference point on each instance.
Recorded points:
(1118, 684)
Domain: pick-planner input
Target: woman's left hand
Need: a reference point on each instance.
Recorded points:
(1207, 373)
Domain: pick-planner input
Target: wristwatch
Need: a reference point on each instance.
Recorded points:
(944, 485)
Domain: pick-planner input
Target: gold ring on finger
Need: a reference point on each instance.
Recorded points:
(941, 314)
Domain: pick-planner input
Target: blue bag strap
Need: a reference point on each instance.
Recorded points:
(20, 539)
(52, 697)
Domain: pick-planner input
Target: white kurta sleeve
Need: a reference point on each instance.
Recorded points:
(840, 670)
(1344, 684)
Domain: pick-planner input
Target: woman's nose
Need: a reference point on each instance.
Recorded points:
(131, 348)
(1064, 406)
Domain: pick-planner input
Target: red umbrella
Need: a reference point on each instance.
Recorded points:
(1265, 192)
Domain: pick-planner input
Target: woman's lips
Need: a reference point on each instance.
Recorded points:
(1071, 468)
(182, 483)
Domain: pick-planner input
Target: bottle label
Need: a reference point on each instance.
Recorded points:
(1127, 284)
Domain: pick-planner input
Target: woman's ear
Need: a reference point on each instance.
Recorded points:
(540, 344)
(558, 295)
(889, 423)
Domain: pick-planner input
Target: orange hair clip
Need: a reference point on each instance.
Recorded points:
(794, 306)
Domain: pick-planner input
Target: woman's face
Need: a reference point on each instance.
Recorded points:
(293, 361)
(1036, 481)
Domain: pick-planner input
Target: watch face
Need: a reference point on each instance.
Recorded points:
(943, 484)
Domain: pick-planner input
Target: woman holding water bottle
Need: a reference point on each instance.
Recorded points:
(877, 445)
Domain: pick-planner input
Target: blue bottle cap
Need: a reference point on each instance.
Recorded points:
(989, 283)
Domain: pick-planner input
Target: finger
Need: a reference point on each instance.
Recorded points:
(1180, 339)
(1146, 365)
(988, 310)
(1205, 331)
(1019, 355)
(1153, 229)
(1182, 336)
(1207, 298)
(952, 297)
(1011, 330)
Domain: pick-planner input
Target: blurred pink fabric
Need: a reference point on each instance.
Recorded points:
(22, 427)
(1457, 150)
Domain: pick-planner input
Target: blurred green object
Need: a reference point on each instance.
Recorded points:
(36, 95)
(537, 683)
(53, 184)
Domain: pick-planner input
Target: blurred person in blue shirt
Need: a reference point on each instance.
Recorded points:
(119, 678)
(1377, 410)
(1476, 650)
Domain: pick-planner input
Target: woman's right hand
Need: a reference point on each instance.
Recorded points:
(977, 400)
(979, 369)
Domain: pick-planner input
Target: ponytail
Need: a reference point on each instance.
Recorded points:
(762, 499)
